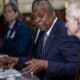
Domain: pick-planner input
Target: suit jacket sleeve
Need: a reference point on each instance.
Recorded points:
(23, 42)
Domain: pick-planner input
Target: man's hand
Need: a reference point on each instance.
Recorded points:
(34, 66)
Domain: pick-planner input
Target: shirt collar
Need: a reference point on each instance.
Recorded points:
(54, 21)
(11, 25)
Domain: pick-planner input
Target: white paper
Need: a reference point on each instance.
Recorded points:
(10, 72)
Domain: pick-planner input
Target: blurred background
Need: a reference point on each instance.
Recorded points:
(26, 12)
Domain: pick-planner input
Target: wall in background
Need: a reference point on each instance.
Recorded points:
(25, 9)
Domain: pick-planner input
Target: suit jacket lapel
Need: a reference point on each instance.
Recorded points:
(48, 45)
(11, 32)
(14, 28)
(49, 41)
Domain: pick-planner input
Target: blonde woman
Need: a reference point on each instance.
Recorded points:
(73, 27)
(73, 19)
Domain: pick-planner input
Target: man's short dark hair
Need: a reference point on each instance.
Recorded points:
(42, 2)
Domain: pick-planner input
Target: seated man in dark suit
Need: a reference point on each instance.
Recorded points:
(17, 38)
(57, 52)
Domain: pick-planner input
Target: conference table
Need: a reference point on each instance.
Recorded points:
(15, 75)
(22, 78)
(26, 78)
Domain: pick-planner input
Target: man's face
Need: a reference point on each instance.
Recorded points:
(41, 17)
(72, 25)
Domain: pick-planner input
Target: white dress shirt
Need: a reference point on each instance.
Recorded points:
(37, 35)
(11, 25)
(46, 35)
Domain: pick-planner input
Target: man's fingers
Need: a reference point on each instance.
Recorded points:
(24, 70)
(33, 66)
(29, 62)
(27, 68)
(25, 73)
(33, 69)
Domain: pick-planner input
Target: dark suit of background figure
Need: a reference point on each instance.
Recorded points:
(61, 51)
(21, 63)
(19, 45)
(78, 70)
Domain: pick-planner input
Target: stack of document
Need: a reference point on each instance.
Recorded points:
(11, 72)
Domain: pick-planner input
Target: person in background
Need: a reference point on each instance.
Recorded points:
(73, 27)
(17, 37)
(57, 52)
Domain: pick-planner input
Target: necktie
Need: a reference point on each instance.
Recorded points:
(44, 41)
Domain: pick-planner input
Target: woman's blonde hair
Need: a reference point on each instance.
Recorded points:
(73, 10)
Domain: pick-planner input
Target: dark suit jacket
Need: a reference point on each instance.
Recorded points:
(61, 51)
(78, 70)
(19, 45)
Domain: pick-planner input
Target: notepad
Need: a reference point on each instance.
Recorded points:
(13, 72)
